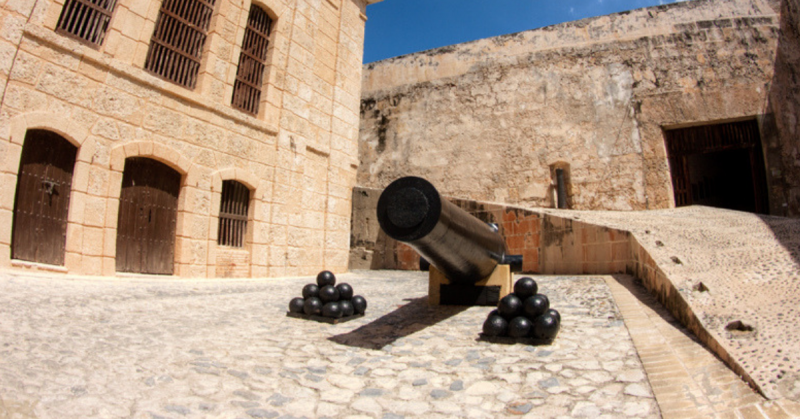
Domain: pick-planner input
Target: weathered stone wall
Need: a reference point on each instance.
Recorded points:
(490, 120)
(784, 148)
(298, 157)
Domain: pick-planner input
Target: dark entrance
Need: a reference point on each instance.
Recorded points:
(41, 204)
(148, 210)
(718, 165)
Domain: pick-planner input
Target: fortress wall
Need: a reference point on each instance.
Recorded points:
(490, 120)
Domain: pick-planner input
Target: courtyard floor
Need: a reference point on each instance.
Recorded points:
(150, 347)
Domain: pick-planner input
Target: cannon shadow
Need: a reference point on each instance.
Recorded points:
(406, 320)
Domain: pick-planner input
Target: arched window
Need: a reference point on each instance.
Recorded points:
(178, 40)
(252, 61)
(86, 20)
(233, 214)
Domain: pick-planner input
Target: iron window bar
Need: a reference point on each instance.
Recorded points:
(86, 20)
(178, 39)
(252, 62)
(234, 206)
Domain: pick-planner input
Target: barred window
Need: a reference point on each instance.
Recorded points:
(86, 20)
(233, 214)
(178, 40)
(252, 61)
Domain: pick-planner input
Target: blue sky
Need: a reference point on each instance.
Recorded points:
(398, 27)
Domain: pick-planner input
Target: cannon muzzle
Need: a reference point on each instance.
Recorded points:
(462, 247)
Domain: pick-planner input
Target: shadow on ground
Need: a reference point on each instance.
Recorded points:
(407, 319)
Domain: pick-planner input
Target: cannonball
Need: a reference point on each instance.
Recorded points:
(525, 287)
(495, 325)
(494, 312)
(519, 327)
(359, 304)
(312, 305)
(347, 308)
(328, 294)
(326, 278)
(332, 309)
(310, 290)
(510, 306)
(553, 312)
(536, 306)
(345, 291)
(546, 327)
(296, 305)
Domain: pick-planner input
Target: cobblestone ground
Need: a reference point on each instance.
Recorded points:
(172, 348)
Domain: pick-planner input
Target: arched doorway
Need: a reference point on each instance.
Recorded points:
(147, 217)
(41, 204)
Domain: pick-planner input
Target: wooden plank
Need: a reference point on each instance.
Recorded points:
(501, 276)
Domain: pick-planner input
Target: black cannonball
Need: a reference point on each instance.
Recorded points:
(328, 294)
(326, 278)
(359, 304)
(494, 312)
(332, 309)
(546, 327)
(536, 306)
(312, 305)
(510, 306)
(345, 291)
(495, 325)
(347, 308)
(296, 305)
(310, 290)
(519, 327)
(525, 287)
(553, 312)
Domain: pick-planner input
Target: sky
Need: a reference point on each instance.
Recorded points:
(399, 27)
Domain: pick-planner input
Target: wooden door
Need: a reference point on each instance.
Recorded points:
(41, 205)
(719, 165)
(148, 212)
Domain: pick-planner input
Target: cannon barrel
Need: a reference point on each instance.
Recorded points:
(462, 247)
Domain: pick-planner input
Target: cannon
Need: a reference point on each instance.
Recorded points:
(462, 249)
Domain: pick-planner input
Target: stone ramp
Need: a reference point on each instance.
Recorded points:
(687, 379)
(738, 272)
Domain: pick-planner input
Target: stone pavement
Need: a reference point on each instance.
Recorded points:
(170, 348)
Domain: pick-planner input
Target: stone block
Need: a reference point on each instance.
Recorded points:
(74, 238)
(109, 266)
(77, 207)
(93, 241)
(95, 211)
(109, 242)
(6, 225)
(8, 190)
(73, 261)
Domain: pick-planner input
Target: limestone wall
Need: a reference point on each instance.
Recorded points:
(784, 149)
(490, 120)
(298, 156)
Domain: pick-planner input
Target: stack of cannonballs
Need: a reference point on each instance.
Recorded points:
(327, 299)
(523, 313)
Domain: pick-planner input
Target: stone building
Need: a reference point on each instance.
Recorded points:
(192, 138)
(653, 108)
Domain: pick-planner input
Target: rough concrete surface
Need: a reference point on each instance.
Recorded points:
(74, 347)
(740, 274)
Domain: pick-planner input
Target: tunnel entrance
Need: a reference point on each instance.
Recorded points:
(718, 165)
